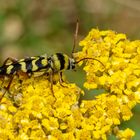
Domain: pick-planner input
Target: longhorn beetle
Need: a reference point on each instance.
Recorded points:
(56, 63)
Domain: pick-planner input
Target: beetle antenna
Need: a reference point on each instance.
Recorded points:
(90, 58)
(75, 37)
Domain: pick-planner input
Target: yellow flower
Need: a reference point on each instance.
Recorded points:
(32, 111)
(126, 134)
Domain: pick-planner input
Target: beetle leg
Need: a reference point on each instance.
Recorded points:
(11, 59)
(7, 88)
(61, 79)
(51, 80)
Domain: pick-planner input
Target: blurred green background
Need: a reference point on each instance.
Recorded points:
(35, 27)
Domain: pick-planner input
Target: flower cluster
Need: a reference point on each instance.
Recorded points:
(36, 113)
(116, 69)
(30, 110)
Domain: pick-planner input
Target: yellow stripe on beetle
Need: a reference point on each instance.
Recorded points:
(66, 59)
(44, 62)
(56, 63)
(23, 66)
(9, 68)
(34, 66)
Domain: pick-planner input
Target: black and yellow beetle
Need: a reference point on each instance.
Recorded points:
(56, 63)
